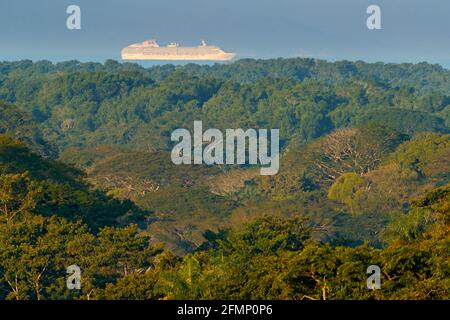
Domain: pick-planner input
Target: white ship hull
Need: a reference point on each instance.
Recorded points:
(222, 57)
(150, 50)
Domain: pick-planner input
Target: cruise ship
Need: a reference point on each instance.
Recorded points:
(150, 50)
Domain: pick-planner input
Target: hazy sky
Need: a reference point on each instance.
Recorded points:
(412, 30)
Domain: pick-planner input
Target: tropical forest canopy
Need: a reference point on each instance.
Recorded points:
(86, 179)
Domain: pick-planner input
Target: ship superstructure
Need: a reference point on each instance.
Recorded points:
(150, 50)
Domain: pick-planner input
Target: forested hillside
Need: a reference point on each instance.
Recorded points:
(86, 178)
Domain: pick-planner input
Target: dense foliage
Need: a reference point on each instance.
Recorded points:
(86, 179)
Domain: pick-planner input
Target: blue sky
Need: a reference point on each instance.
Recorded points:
(412, 30)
